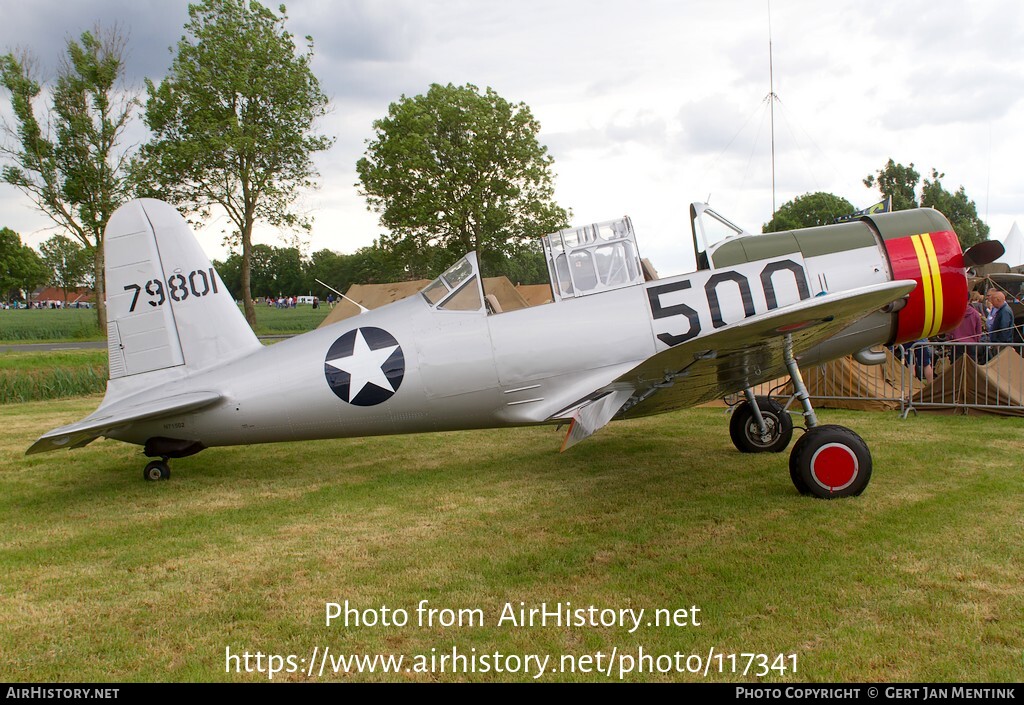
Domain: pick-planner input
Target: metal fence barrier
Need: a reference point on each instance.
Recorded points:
(983, 376)
(964, 376)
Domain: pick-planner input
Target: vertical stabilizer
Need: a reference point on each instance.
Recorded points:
(166, 306)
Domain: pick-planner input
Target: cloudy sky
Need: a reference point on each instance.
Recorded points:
(645, 105)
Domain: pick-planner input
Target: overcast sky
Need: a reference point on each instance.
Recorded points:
(645, 105)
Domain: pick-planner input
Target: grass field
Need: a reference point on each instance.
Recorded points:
(37, 376)
(46, 325)
(107, 577)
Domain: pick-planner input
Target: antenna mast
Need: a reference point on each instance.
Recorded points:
(771, 99)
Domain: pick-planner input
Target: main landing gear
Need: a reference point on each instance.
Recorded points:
(826, 462)
(157, 470)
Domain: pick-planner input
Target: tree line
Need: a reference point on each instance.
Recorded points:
(233, 129)
(61, 262)
(895, 181)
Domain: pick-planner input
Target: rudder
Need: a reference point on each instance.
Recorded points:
(166, 305)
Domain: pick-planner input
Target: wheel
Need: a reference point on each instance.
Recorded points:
(830, 462)
(746, 434)
(794, 469)
(157, 470)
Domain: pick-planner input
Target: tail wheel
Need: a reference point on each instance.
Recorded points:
(830, 462)
(157, 470)
(746, 432)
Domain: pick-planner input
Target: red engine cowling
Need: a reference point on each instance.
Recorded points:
(922, 246)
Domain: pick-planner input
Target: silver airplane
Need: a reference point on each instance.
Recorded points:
(187, 373)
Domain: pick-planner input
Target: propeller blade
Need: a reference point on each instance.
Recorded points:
(984, 252)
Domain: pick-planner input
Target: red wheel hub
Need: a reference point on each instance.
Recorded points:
(834, 466)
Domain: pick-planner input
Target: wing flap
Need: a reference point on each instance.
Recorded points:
(594, 415)
(104, 420)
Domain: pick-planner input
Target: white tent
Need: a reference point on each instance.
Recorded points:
(1013, 244)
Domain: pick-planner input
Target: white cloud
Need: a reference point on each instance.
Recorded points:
(649, 104)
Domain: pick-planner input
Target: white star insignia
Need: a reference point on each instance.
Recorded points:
(364, 366)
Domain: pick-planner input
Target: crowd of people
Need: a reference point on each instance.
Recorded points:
(987, 322)
(288, 301)
(8, 305)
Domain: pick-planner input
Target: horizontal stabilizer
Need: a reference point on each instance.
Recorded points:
(106, 419)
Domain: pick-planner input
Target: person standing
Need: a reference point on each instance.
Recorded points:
(1000, 323)
(1000, 318)
(969, 331)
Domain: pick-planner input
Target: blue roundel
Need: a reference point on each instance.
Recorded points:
(365, 366)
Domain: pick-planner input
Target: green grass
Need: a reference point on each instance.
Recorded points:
(288, 321)
(107, 577)
(37, 376)
(28, 326)
(46, 325)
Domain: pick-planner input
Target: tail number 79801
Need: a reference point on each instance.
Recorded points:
(179, 287)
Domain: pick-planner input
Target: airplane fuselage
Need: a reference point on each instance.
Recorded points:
(187, 372)
(459, 369)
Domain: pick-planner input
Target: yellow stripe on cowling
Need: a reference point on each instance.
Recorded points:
(927, 290)
(933, 262)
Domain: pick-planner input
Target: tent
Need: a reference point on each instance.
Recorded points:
(371, 296)
(535, 294)
(1013, 246)
(994, 388)
(376, 295)
(847, 384)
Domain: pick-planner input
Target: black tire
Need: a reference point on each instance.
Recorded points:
(794, 470)
(157, 470)
(746, 435)
(831, 462)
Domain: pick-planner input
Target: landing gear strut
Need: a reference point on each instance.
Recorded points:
(828, 461)
(157, 470)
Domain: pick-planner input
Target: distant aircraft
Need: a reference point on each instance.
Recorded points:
(187, 373)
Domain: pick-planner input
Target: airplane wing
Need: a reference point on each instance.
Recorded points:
(100, 423)
(735, 357)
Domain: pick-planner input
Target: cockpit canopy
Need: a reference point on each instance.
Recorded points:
(457, 289)
(593, 258)
(582, 261)
(710, 231)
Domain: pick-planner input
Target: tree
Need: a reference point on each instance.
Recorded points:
(961, 211)
(458, 170)
(808, 211)
(901, 182)
(233, 122)
(72, 169)
(67, 263)
(897, 181)
(230, 271)
(274, 271)
(20, 266)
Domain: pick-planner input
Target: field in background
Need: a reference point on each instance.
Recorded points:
(36, 376)
(107, 577)
(49, 325)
